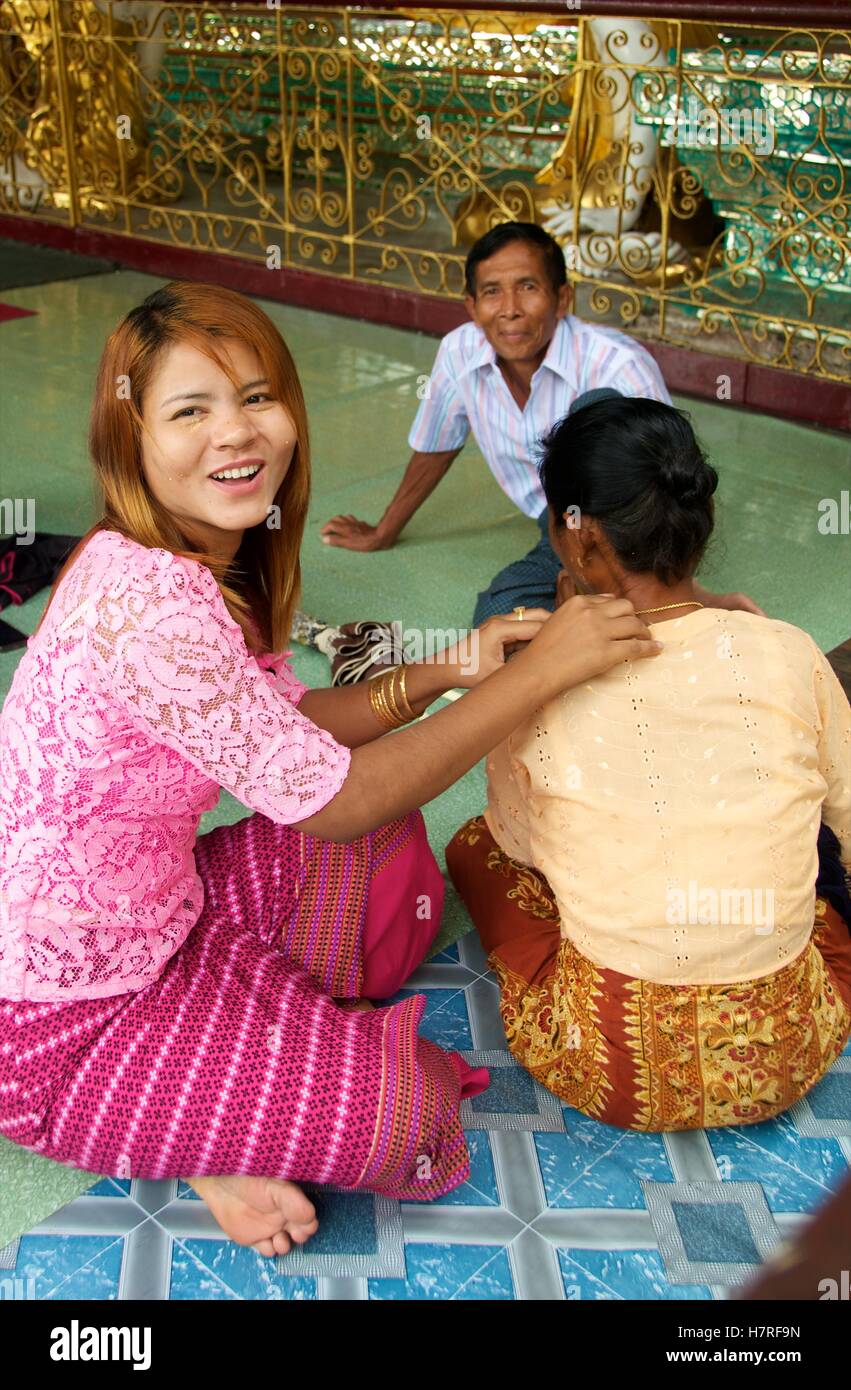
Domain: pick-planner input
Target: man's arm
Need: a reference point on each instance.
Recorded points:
(422, 475)
(437, 436)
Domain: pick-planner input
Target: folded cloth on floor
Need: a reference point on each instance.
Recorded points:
(356, 650)
(27, 567)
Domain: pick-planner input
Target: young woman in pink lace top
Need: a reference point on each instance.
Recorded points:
(174, 1005)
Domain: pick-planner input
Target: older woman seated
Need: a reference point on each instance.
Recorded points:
(644, 877)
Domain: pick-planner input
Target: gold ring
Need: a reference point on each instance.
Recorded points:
(518, 613)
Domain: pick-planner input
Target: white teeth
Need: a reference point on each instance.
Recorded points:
(238, 472)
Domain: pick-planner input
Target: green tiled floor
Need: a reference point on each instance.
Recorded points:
(360, 381)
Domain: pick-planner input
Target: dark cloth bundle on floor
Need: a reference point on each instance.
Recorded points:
(24, 569)
(832, 882)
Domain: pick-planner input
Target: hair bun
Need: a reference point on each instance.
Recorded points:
(689, 481)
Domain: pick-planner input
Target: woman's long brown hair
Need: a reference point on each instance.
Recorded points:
(263, 582)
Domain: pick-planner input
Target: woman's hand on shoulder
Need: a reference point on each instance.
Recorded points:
(585, 637)
(487, 647)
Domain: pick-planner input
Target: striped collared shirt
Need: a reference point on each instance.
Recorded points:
(467, 392)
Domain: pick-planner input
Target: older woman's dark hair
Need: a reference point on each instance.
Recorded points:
(635, 466)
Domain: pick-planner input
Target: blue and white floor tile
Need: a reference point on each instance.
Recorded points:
(556, 1207)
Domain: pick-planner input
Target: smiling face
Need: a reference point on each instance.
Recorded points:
(515, 304)
(198, 424)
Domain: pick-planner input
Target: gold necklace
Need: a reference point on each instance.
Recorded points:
(692, 603)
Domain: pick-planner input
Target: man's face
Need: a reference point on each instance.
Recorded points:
(515, 304)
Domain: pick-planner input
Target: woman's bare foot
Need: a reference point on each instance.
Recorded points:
(265, 1213)
(356, 1006)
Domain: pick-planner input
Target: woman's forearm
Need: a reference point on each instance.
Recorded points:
(399, 773)
(391, 776)
(345, 710)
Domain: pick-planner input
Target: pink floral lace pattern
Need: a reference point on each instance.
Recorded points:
(133, 705)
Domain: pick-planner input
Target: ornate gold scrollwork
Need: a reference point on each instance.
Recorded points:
(377, 144)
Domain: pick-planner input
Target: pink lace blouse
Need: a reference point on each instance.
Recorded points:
(132, 706)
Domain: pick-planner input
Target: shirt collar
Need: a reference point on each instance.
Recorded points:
(560, 355)
(481, 356)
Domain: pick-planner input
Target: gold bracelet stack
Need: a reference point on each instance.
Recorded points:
(390, 703)
(403, 691)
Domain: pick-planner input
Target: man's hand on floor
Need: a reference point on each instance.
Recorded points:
(351, 534)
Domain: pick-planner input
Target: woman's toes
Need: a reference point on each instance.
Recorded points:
(294, 1206)
(266, 1214)
(267, 1247)
(300, 1234)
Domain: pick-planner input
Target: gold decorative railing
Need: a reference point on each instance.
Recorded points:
(696, 172)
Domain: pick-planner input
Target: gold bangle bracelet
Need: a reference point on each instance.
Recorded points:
(385, 696)
(403, 689)
(379, 704)
(385, 703)
(390, 693)
(375, 707)
(392, 715)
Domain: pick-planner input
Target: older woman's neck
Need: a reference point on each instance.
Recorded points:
(652, 599)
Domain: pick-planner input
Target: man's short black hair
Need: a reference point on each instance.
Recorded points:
(502, 235)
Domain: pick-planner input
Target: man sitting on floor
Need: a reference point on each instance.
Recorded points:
(507, 377)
